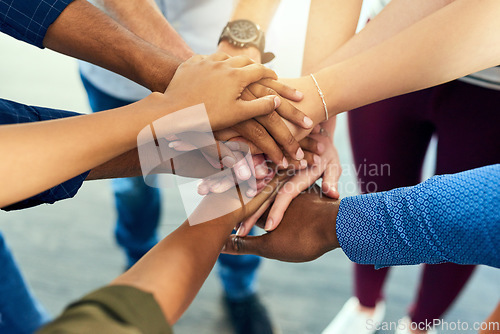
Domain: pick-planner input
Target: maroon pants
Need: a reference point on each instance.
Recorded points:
(389, 141)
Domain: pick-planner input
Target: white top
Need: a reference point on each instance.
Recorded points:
(198, 22)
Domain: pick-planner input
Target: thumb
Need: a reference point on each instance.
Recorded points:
(244, 245)
(259, 107)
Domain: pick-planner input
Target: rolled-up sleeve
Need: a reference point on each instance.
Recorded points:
(113, 309)
(13, 113)
(28, 20)
(448, 218)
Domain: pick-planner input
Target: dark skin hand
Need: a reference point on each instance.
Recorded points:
(306, 232)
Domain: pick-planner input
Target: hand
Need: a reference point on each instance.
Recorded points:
(306, 232)
(326, 164)
(269, 131)
(218, 81)
(251, 52)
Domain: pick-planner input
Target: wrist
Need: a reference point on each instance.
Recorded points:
(327, 81)
(158, 73)
(330, 212)
(250, 51)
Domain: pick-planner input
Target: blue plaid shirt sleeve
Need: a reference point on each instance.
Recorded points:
(448, 218)
(12, 113)
(28, 20)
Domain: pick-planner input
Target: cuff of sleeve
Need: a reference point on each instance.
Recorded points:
(130, 305)
(65, 190)
(29, 22)
(360, 231)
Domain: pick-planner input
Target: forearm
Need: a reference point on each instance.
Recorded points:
(331, 24)
(144, 18)
(257, 11)
(395, 17)
(436, 221)
(426, 54)
(175, 269)
(77, 143)
(190, 164)
(84, 32)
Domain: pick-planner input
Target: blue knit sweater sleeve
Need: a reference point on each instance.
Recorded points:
(448, 218)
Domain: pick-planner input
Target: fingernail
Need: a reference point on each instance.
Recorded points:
(173, 144)
(223, 248)
(260, 171)
(303, 163)
(277, 102)
(317, 159)
(269, 224)
(228, 161)
(251, 192)
(284, 163)
(320, 147)
(240, 231)
(244, 172)
(308, 122)
(215, 187)
(232, 145)
(299, 94)
(300, 154)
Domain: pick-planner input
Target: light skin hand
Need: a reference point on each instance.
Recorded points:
(223, 104)
(306, 232)
(175, 269)
(326, 160)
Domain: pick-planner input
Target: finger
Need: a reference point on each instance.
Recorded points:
(195, 58)
(243, 145)
(250, 222)
(223, 185)
(247, 245)
(205, 185)
(215, 153)
(295, 164)
(239, 61)
(218, 56)
(288, 192)
(255, 133)
(171, 137)
(311, 158)
(258, 107)
(330, 182)
(260, 166)
(283, 90)
(312, 145)
(316, 129)
(255, 72)
(182, 146)
(241, 168)
(275, 126)
(286, 110)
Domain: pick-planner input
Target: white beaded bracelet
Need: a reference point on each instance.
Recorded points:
(320, 92)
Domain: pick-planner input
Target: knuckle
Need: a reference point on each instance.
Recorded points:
(290, 140)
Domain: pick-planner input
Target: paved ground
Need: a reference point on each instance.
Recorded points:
(67, 249)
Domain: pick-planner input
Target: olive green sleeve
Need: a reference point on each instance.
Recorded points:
(112, 309)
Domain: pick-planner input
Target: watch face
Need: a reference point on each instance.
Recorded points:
(243, 31)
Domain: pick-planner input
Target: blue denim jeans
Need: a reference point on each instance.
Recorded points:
(138, 210)
(20, 312)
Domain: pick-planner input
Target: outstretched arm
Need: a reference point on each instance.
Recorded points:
(144, 18)
(68, 147)
(433, 222)
(160, 286)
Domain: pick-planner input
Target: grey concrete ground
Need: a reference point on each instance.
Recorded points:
(67, 249)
